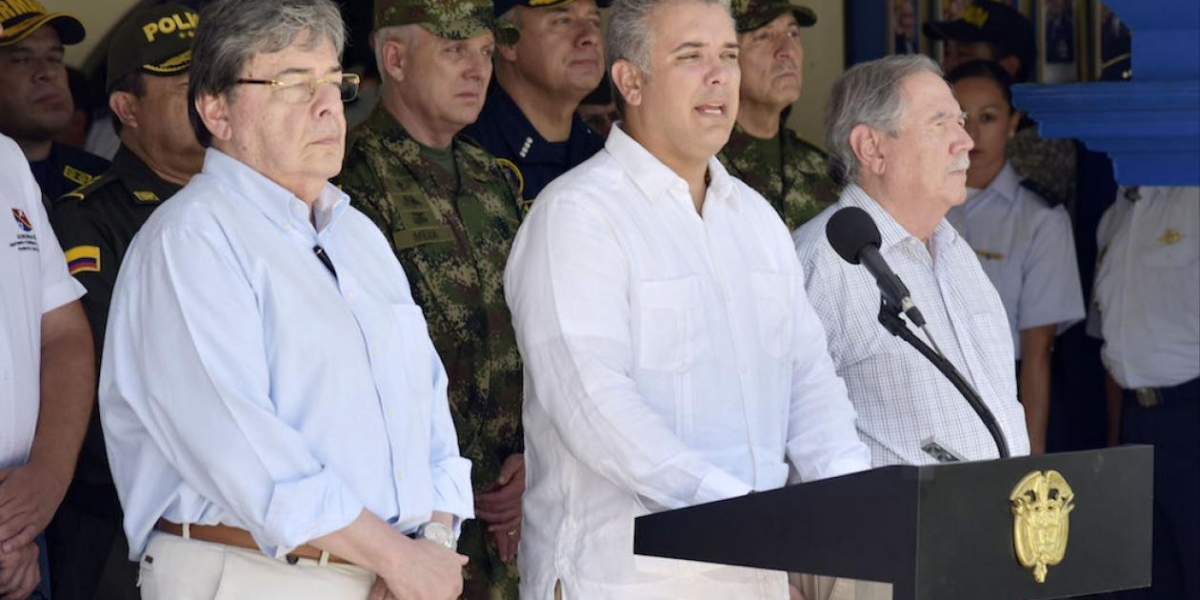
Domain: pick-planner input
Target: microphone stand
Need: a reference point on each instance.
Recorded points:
(889, 317)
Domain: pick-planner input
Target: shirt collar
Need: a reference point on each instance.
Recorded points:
(891, 232)
(276, 203)
(1006, 182)
(526, 143)
(656, 179)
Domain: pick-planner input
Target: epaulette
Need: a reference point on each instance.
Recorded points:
(82, 191)
(1045, 194)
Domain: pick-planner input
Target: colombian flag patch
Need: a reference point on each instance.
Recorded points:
(83, 259)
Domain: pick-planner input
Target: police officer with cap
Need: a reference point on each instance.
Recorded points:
(148, 63)
(788, 171)
(529, 121)
(989, 30)
(35, 100)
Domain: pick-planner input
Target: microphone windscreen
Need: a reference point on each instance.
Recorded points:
(850, 230)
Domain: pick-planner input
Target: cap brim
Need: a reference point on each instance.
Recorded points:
(69, 27)
(171, 66)
(959, 31)
(805, 17)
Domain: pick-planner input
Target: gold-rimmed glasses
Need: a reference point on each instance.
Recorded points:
(300, 91)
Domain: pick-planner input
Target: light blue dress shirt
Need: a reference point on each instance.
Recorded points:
(243, 384)
(1028, 252)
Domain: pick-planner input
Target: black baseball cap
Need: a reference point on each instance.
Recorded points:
(21, 18)
(155, 40)
(992, 22)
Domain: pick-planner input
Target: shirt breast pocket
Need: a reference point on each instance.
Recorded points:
(773, 315)
(670, 314)
(416, 351)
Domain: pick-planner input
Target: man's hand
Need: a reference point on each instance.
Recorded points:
(500, 506)
(28, 498)
(19, 573)
(428, 571)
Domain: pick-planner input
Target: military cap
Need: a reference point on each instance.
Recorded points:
(749, 15)
(449, 19)
(503, 6)
(20, 18)
(155, 40)
(992, 22)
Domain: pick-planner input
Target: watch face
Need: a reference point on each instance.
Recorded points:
(438, 533)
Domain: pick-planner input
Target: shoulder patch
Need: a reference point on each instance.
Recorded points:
(1045, 194)
(90, 186)
(83, 259)
(146, 196)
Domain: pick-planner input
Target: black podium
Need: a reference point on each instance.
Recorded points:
(939, 532)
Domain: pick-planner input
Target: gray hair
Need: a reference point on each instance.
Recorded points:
(870, 94)
(406, 35)
(234, 31)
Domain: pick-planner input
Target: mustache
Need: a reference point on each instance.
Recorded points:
(962, 164)
(788, 67)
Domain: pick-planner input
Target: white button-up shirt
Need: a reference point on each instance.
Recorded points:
(901, 398)
(671, 359)
(1028, 252)
(243, 384)
(1148, 287)
(33, 282)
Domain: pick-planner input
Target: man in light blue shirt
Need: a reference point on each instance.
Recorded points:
(269, 390)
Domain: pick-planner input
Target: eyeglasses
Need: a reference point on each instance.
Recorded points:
(301, 91)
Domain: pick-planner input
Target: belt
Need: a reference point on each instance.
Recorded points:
(1150, 397)
(240, 538)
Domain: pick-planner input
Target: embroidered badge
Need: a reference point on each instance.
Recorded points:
(985, 255)
(83, 259)
(1170, 236)
(22, 220)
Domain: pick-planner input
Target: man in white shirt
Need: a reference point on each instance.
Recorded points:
(897, 143)
(275, 413)
(671, 355)
(1147, 301)
(46, 373)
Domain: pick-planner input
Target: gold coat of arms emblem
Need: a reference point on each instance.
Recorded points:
(1041, 507)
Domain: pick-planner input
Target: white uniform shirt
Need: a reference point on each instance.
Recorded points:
(242, 384)
(33, 282)
(901, 398)
(670, 360)
(1148, 287)
(1028, 252)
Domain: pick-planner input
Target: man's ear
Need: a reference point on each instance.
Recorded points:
(214, 111)
(865, 142)
(629, 81)
(124, 106)
(395, 59)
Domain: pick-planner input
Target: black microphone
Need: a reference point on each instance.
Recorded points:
(855, 238)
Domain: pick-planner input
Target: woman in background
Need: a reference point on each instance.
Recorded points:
(1022, 237)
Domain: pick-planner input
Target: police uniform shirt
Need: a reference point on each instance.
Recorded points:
(503, 130)
(64, 170)
(96, 224)
(1147, 291)
(1027, 251)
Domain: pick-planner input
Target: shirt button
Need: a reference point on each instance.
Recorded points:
(399, 476)
(390, 413)
(349, 295)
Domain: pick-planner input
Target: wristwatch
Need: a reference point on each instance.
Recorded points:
(436, 532)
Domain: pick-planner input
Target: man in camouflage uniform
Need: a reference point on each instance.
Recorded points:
(147, 86)
(788, 171)
(450, 214)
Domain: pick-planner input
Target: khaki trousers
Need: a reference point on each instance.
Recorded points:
(820, 587)
(175, 568)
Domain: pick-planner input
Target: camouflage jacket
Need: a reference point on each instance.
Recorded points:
(1049, 162)
(798, 188)
(453, 238)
